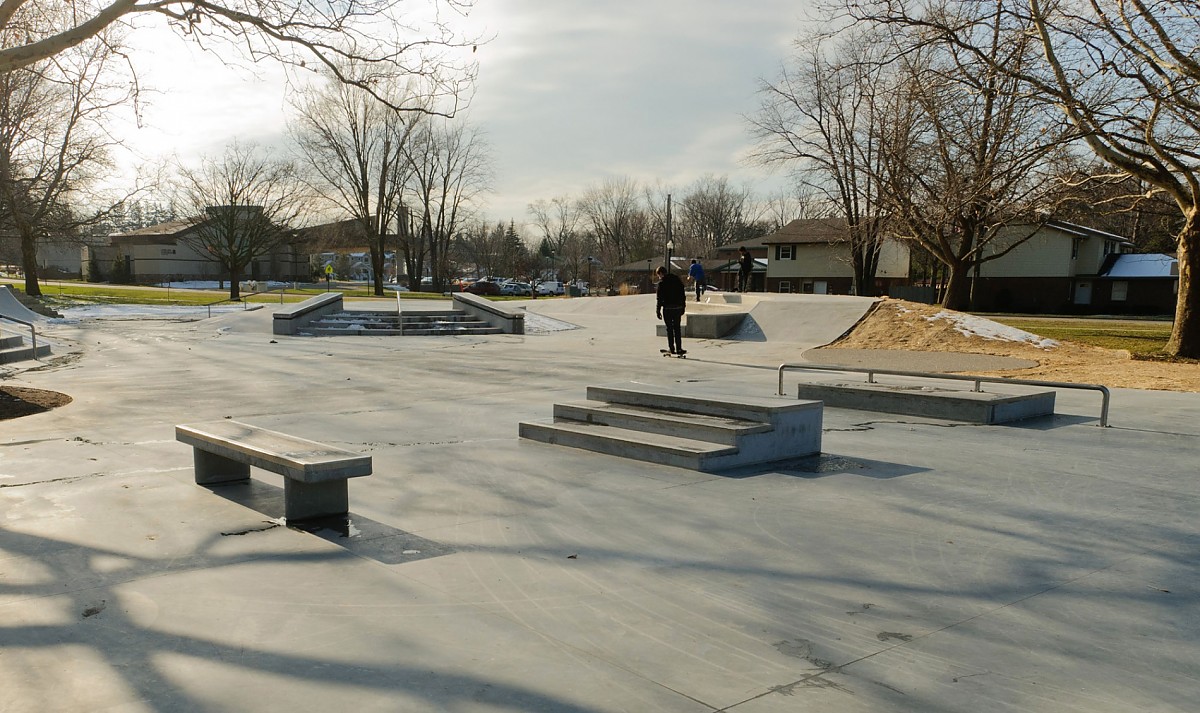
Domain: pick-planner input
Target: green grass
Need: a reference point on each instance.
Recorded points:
(1143, 339)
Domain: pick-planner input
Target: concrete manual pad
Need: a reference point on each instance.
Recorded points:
(932, 402)
(915, 564)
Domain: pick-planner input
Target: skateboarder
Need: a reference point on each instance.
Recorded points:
(672, 301)
(745, 269)
(696, 272)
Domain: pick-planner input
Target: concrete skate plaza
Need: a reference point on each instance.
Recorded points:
(916, 564)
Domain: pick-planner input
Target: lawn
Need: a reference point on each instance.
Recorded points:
(1143, 339)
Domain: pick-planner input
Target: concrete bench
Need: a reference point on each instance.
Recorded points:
(314, 474)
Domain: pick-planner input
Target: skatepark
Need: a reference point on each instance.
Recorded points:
(914, 564)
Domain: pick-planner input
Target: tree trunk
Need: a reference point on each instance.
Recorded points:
(958, 288)
(235, 283)
(1185, 335)
(29, 263)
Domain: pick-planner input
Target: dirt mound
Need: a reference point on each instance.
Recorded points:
(17, 401)
(898, 324)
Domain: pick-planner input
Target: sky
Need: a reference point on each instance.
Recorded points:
(569, 93)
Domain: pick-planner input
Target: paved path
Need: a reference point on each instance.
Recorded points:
(917, 565)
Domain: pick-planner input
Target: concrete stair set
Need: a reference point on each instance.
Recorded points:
(704, 432)
(14, 347)
(407, 323)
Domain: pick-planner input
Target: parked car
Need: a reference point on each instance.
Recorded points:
(551, 287)
(483, 287)
(518, 289)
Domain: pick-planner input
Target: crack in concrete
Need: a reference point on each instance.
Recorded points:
(68, 479)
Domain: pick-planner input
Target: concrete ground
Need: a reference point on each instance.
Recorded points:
(916, 565)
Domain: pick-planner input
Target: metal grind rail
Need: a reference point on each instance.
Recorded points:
(32, 332)
(1105, 396)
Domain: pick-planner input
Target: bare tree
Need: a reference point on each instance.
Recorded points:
(783, 206)
(710, 213)
(53, 145)
(243, 206)
(616, 218)
(564, 241)
(482, 246)
(825, 117)
(1124, 73)
(967, 153)
(384, 35)
(354, 143)
(448, 169)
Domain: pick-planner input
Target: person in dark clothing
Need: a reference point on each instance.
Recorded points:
(696, 272)
(672, 301)
(745, 269)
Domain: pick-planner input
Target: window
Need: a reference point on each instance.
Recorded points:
(785, 286)
(1119, 291)
(1075, 247)
(785, 252)
(168, 251)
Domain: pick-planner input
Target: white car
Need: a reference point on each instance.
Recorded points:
(551, 287)
(512, 287)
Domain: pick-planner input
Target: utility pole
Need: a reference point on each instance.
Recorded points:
(667, 261)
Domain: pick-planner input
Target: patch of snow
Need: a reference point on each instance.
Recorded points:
(972, 326)
(215, 285)
(74, 315)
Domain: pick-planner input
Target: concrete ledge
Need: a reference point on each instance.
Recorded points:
(707, 325)
(511, 321)
(928, 402)
(294, 318)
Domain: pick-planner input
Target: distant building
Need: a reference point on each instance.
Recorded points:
(166, 252)
(812, 256)
(1066, 268)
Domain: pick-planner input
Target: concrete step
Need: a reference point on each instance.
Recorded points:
(444, 319)
(695, 426)
(931, 402)
(24, 352)
(638, 445)
(436, 313)
(452, 328)
(745, 408)
(351, 331)
(10, 341)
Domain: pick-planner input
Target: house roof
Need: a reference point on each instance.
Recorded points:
(809, 230)
(1132, 266)
(171, 227)
(751, 244)
(1085, 232)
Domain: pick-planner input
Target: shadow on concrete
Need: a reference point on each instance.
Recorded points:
(825, 464)
(133, 651)
(358, 535)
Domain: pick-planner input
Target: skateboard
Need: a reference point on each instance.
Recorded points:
(680, 355)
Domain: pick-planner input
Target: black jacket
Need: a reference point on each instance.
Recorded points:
(671, 293)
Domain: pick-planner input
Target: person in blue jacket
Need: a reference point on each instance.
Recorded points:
(696, 272)
(672, 301)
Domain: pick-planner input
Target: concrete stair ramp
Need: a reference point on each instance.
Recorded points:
(408, 323)
(709, 433)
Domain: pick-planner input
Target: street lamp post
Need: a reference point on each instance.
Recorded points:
(670, 249)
